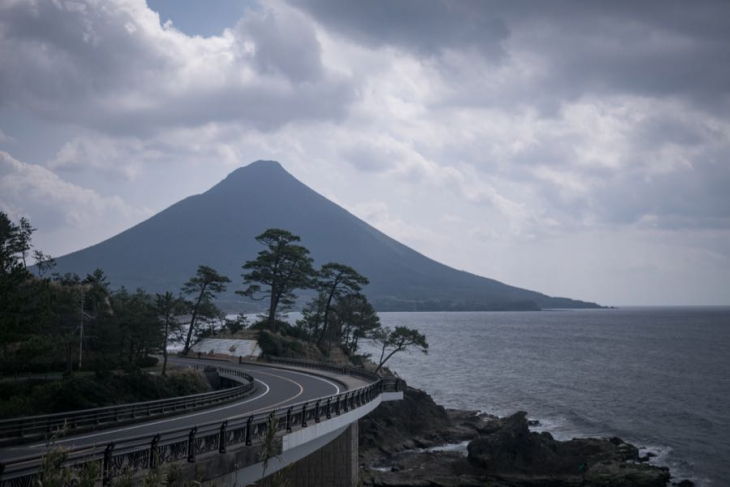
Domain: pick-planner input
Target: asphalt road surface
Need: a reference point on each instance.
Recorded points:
(275, 388)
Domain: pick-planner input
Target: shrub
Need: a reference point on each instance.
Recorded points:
(146, 362)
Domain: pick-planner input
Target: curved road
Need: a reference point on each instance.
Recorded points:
(275, 388)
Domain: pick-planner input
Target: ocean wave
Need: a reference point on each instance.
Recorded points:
(663, 456)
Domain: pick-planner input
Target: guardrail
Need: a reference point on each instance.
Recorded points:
(358, 372)
(34, 427)
(186, 444)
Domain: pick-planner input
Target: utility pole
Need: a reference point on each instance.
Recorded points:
(81, 331)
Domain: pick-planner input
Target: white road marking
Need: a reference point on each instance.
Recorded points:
(178, 418)
(142, 425)
(314, 377)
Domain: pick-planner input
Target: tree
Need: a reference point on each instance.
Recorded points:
(12, 277)
(168, 308)
(205, 285)
(235, 325)
(402, 338)
(139, 327)
(25, 234)
(312, 316)
(356, 319)
(278, 271)
(43, 262)
(337, 280)
(9, 245)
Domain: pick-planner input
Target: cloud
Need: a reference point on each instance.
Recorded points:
(564, 49)
(281, 43)
(426, 28)
(378, 214)
(56, 206)
(5, 138)
(111, 65)
(123, 156)
(534, 133)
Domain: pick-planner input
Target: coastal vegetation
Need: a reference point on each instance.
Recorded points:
(337, 316)
(85, 391)
(63, 324)
(100, 340)
(204, 286)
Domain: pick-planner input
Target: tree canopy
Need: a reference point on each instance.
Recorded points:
(280, 269)
(334, 281)
(203, 287)
(397, 340)
(47, 321)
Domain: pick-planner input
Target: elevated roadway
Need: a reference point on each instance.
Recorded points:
(276, 387)
(309, 405)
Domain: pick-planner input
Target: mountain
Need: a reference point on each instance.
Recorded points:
(217, 228)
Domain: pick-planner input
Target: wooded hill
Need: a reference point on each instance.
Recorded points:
(217, 228)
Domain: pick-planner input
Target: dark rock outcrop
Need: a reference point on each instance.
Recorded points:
(395, 442)
(415, 422)
(510, 451)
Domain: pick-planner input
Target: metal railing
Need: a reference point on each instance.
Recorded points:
(35, 427)
(357, 372)
(139, 453)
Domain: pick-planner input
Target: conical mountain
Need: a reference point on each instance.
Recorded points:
(217, 228)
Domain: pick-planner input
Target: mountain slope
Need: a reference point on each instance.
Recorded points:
(218, 227)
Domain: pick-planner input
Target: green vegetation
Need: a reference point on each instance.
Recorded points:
(169, 308)
(335, 281)
(33, 397)
(338, 316)
(53, 323)
(62, 324)
(278, 271)
(204, 286)
(398, 340)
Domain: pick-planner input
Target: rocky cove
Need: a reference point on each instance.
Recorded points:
(399, 448)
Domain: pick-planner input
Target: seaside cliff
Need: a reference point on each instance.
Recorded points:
(399, 448)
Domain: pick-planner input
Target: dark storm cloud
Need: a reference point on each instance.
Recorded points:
(425, 28)
(656, 48)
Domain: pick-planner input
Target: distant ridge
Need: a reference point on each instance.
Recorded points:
(218, 227)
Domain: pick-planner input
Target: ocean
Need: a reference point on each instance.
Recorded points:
(657, 377)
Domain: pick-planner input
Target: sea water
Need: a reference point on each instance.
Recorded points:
(657, 377)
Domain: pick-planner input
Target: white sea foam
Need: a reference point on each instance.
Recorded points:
(680, 469)
(557, 426)
(457, 447)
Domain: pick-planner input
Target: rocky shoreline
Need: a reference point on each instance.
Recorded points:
(399, 448)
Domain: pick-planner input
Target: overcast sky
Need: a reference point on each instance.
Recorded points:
(580, 149)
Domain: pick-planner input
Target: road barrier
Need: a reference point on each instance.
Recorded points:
(16, 430)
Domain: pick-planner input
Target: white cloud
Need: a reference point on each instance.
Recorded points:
(59, 208)
(5, 138)
(112, 65)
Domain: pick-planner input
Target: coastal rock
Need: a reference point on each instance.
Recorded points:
(415, 422)
(412, 469)
(395, 442)
(512, 453)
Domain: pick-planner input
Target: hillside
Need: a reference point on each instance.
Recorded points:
(218, 227)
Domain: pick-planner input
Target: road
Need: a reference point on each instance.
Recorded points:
(276, 388)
